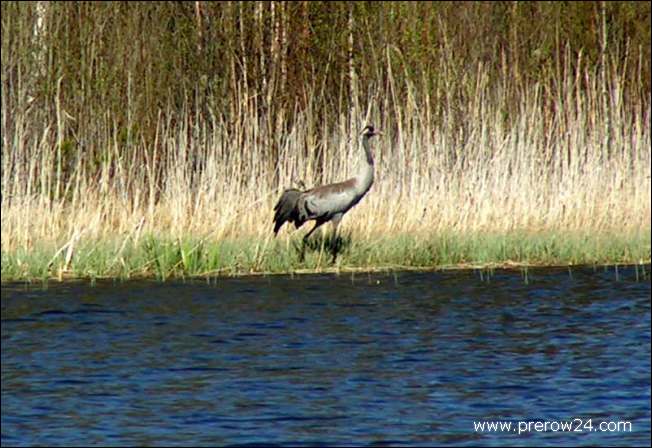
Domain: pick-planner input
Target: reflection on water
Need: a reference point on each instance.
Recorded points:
(405, 358)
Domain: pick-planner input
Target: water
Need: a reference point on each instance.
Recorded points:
(400, 359)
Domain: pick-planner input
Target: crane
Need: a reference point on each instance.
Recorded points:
(327, 202)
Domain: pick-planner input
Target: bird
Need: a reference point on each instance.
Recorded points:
(327, 202)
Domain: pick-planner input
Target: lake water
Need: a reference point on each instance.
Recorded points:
(392, 359)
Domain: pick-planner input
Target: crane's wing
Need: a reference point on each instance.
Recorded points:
(329, 200)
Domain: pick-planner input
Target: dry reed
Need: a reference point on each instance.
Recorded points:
(571, 158)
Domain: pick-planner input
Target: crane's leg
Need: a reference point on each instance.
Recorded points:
(318, 223)
(334, 242)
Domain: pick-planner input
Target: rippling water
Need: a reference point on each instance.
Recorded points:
(402, 359)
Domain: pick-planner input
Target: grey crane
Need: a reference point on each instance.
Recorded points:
(327, 202)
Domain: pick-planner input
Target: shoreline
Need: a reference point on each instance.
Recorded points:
(209, 276)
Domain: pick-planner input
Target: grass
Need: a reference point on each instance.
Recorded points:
(166, 258)
(557, 172)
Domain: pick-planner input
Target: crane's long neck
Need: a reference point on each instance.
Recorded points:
(365, 177)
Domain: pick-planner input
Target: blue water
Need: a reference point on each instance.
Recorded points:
(398, 359)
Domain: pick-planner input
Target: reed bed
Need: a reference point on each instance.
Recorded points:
(531, 190)
(555, 171)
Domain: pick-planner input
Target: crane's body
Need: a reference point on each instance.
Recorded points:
(327, 202)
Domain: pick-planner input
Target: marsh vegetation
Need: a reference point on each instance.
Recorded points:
(144, 139)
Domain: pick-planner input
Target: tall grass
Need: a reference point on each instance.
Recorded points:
(563, 166)
(471, 170)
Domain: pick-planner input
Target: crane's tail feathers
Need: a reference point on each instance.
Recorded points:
(286, 209)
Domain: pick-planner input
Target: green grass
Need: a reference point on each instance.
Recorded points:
(165, 258)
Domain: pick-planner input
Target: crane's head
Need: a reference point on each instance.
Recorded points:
(369, 131)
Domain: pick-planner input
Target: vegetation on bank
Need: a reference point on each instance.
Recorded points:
(152, 139)
(163, 259)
